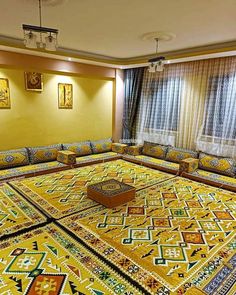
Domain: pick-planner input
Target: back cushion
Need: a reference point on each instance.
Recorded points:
(13, 158)
(79, 148)
(220, 165)
(101, 146)
(43, 153)
(154, 150)
(176, 154)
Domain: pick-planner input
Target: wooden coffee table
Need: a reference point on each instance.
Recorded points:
(111, 193)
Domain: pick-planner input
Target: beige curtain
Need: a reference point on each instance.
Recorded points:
(184, 86)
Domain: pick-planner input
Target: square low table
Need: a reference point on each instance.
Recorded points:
(111, 193)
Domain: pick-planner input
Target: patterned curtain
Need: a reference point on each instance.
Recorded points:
(133, 86)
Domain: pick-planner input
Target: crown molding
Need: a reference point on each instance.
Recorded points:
(16, 45)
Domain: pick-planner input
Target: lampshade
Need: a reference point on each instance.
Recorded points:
(50, 43)
(30, 40)
(152, 68)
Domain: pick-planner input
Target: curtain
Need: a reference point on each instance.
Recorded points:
(217, 134)
(190, 105)
(133, 86)
(158, 111)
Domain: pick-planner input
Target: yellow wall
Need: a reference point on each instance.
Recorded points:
(34, 118)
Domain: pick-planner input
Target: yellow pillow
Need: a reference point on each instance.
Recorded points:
(154, 150)
(176, 154)
(13, 158)
(43, 153)
(79, 148)
(101, 146)
(221, 165)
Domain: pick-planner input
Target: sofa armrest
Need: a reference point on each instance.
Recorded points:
(134, 150)
(119, 148)
(66, 157)
(188, 165)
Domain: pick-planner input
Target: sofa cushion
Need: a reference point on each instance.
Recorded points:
(13, 158)
(225, 166)
(158, 163)
(96, 158)
(31, 169)
(79, 148)
(101, 146)
(177, 154)
(43, 153)
(154, 150)
(212, 178)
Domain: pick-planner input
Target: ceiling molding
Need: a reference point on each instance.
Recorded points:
(16, 45)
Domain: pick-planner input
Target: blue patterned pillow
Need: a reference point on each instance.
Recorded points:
(101, 146)
(43, 153)
(13, 158)
(79, 148)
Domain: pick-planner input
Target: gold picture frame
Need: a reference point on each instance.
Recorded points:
(33, 81)
(5, 102)
(65, 96)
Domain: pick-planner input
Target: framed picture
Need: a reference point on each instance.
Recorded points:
(65, 96)
(5, 102)
(33, 81)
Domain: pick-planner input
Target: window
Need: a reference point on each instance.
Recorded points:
(163, 99)
(220, 112)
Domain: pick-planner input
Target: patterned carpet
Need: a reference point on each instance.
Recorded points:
(175, 236)
(47, 261)
(16, 213)
(64, 193)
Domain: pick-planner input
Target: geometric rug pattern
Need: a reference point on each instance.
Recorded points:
(16, 213)
(46, 261)
(63, 193)
(174, 236)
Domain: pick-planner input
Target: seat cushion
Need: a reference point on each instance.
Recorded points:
(213, 179)
(176, 154)
(43, 153)
(31, 169)
(95, 158)
(154, 150)
(13, 158)
(101, 146)
(158, 163)
(79, 148)
(225, 166)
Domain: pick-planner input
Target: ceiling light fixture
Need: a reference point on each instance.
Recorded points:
(156, 63)
(38, 36)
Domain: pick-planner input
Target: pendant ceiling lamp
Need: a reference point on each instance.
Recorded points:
(39, 36)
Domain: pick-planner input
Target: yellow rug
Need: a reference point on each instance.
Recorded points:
(47, 261)
(16, 213)
(172, 237)
(62, 193)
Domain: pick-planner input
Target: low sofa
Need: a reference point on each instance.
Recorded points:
(199, 166)
(33, 161)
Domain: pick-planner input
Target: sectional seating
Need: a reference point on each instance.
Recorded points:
(209, 169)
(160, 157)
(217, 171)
(33, 161)
(92, 152)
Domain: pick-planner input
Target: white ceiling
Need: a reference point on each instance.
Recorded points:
(115, 27)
